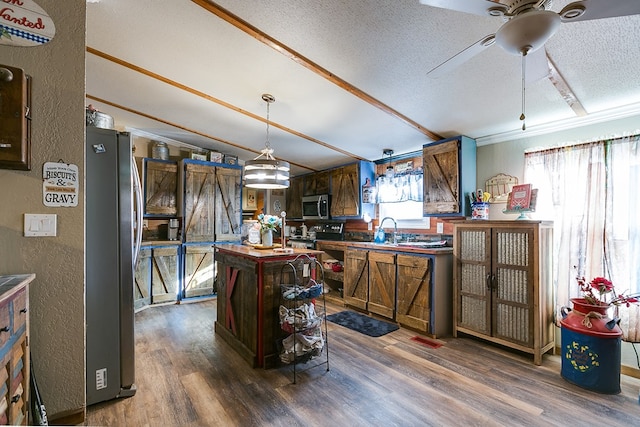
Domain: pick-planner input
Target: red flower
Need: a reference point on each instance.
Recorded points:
(602, 285)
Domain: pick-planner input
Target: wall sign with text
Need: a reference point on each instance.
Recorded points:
(60, 185)
(24, 23)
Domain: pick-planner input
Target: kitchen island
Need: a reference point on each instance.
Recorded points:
(249, 299)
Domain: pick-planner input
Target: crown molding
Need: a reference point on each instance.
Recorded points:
(561, 125)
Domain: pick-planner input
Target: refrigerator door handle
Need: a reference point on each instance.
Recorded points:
(137, 192)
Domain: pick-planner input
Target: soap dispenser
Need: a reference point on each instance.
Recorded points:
(304, 230)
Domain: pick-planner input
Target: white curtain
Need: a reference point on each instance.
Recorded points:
(400, 188)
(590, 192)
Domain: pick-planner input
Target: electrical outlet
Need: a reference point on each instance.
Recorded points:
(440, 228)
(145, 223)
(369, 226)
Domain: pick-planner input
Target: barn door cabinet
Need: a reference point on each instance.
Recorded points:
(503, 283)
(14, 349)
(449, 176)
(413, 289)
(425, 291)
(157, 275)
(199, 270)
(294, 198)
(142, 280)
(316, 183)
(209, 201)
(382, 284)
(160, 183)
(356, 278)
(346, 190)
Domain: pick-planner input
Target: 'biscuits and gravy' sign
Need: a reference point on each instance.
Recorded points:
(60, 184)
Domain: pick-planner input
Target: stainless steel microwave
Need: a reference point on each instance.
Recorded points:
(315, 207)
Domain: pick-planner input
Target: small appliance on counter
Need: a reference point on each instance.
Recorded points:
(174, 226)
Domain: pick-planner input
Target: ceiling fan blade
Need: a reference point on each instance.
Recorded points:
(476, 7)
(462, 57)
(536, 65)
(598, 9)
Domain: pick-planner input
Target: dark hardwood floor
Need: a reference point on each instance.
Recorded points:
(186, 376)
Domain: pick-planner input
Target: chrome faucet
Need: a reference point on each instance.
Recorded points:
(395, 228)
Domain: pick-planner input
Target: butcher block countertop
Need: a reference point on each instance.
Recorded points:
(256, 252)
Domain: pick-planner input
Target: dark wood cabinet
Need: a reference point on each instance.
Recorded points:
(503, 283)
(449, 176)
(414, 289)
(316, 183)
(294, 198)
(356, 278)
(414, 292)
(346, 190)
(382, 284)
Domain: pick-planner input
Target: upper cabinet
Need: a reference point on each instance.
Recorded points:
(294, 198)
(346, 190)
(160, 183)
(316, 183)
(449, 175)
(210, 204)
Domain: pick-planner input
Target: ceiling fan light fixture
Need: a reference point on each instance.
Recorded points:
(265, 171)
(572, 11)
(532, 28)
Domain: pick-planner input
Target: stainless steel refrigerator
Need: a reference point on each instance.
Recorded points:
(111, 249)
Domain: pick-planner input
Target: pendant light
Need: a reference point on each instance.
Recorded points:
(390, 171)
(265, 171)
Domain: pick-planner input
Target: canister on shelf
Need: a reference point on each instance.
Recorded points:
(160, 151)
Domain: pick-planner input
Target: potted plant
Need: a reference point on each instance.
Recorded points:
(268, 224)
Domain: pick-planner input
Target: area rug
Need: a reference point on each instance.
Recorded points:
(362, 323)
(426, 342)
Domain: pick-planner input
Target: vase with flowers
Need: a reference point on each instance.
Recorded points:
(591, 347)
(268, 224)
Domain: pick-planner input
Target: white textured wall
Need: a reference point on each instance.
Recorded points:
(57, 294)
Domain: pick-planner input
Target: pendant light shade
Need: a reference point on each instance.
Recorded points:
(265, 171)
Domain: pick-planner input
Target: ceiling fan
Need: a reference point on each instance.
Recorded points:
(528, 24)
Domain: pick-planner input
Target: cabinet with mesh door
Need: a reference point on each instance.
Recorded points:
(503, 284)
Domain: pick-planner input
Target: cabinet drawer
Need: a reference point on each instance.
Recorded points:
(19, 310)
(5, 323)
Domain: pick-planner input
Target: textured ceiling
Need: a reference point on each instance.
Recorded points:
(172, 68)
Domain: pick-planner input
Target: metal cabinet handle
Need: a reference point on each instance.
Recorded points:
(23, 311)
(15, 398)
(4, 329)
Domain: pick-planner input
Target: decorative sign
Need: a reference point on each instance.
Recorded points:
(60, 185)
(24, 23)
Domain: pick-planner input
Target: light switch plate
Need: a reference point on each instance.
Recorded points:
(40, 225)
(440, 227)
